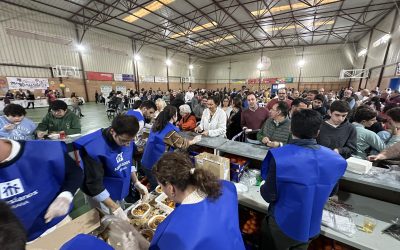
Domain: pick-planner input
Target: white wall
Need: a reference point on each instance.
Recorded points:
(321, 63)
(375, 56)
(105, 52)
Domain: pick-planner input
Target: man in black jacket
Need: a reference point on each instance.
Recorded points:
(336, 132)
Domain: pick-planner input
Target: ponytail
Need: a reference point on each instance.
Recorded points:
(207, 182)
(164, 117)
(177, 169)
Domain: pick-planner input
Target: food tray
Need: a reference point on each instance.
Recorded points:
(159, 200)
(144, 215)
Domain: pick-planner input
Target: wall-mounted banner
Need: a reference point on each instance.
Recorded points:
(123, 78)
(160, 79)
(238, 81)
(121, 88)
(270, 80)
(27, 83)
(146, 79)
(118, 77)
(99, 76)
(105, 89)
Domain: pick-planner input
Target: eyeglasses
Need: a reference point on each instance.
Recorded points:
(58, 111)
(124, 140)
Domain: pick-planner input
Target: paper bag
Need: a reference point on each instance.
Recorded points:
(219, 166)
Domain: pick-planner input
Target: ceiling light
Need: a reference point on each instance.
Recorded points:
(294, 6)
(259, 66)
(296, 26)
(156, 5)
(363, 52)
(80, 47)
(301, 63)
(136, 57)
(215, 40)
(168, 62)
(191, 66)
(196, 29)
(384, 39)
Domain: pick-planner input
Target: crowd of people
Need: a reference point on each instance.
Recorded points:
(320, 130)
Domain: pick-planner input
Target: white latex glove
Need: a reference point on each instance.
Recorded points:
(143, 190)
(120, 214)
(248, 130)
(59, 207)
(196, 139)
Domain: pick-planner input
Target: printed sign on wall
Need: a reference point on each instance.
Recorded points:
(27, 83)
(99, 76)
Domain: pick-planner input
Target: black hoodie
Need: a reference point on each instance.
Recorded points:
(343, 137)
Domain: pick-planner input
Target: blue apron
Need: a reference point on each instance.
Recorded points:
(136, 114)
(85, 241)
(30, 184)
(304, 182)
(155, 146)
(116, 161)
(204, 225)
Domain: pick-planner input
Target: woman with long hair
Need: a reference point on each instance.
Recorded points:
(197, 221)
(163, 137)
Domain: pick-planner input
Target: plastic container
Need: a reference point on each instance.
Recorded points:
(158, 190)
(142, 206)
(155, 221)
(159, 200)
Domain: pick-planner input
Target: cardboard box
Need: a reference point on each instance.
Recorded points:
(84, 224)
(218, 165)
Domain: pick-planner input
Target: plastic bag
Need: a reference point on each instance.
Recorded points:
(337, 217)
(394, 229)
(250, 177)
(122, 235)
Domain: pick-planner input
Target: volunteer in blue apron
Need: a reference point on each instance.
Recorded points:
(38, 180)
(106, 155)
(145, 112)
(197, 222)
(297, 187)
(163, 137)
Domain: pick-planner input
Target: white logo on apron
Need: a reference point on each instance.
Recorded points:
(11, 188)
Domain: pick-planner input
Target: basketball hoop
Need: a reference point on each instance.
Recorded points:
(65, 71)
(354, 73)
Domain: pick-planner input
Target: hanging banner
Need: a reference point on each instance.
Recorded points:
(27, 83)
(105, 89)
(146, 79)
(99, 76)
(160, 79)
(123, 78)
(270, 80)
(121, 88)
(118, 77)
(238, 81)
(128, 78)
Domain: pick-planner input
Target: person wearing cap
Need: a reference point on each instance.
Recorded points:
(197, 221)
(14, 125)
(106, 156)
(38, 189)
(59, 119)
